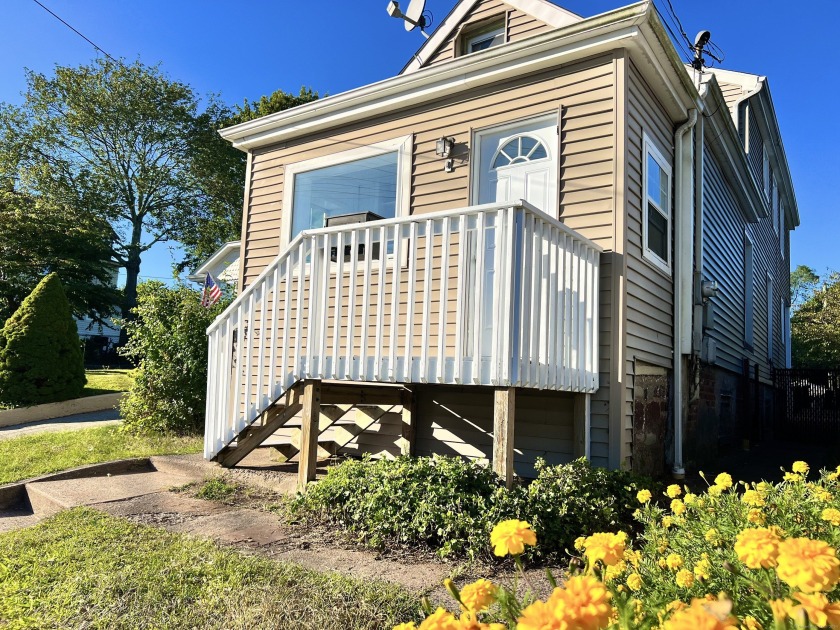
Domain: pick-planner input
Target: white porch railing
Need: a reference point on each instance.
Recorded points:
(499, 294)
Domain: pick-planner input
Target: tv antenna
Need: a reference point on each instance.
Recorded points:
(413, 16)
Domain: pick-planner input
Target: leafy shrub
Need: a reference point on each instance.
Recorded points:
(450, 504)
(168, 343)
(572, 499)
(689, 548)
(40, 352)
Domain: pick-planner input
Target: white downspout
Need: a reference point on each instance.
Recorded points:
(683, 271)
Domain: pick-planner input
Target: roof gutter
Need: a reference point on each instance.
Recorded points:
(596, 35)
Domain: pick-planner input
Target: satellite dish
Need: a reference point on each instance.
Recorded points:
(414, 15)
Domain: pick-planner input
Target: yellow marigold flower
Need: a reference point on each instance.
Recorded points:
(677, 507)
(673, 491)
(478, 596)
(724, 480)
(468, 621)
(643, 496)
(511, 536)
(753, 498)
(831, 515)
(663, 545)
(606, 547)
(751, 623)
(715, 491)
(702, 615)
(583, 602)
(756, 517)
(541, 616)
(703, 569)
(763, 487)
(712, 536)
(780, 609)
(757, 547)
(808, 565)
(440, 620)
(579, 542)
(615, 570)
(685, 578)
(816, 607)
(822, 494)
(833, 476)
(634, 582)
(674, 561)
(689, 498)
(633, 557)
(406, 626)
(800, 467)
(793, 477)
(667, 521)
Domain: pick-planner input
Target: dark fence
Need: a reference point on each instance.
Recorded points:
(808, 405)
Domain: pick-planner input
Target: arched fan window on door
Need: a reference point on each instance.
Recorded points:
(520, 149)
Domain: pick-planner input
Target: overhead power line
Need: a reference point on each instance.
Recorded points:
(79, 33)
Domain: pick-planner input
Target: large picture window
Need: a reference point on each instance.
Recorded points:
(366, 185)
(656, 226)
(365, 179)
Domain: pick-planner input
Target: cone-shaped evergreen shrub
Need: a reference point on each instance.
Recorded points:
(40, 354)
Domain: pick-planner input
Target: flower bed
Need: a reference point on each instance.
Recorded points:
(738, 556)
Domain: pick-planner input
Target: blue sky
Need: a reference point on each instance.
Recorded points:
(243, 50)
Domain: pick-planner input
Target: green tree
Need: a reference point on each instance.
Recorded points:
(168, 343)
(218, 171)
(108, 138)
(37, 238)
(40, 354)
(803, 281)
(815, 327)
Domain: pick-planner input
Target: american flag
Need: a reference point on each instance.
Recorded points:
(211, 293)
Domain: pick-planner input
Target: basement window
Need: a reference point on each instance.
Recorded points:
(656, 225)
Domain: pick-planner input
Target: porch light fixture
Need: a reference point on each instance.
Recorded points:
(443, 147)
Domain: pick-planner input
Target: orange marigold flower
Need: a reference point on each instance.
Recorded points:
(478, 596)
(831, 515)
(606, 547)
(817, 608)
(808, 565)
(702, 615)
(440, 620)
(541, 616)
(583, 602)
(511, 536)
(757, 547)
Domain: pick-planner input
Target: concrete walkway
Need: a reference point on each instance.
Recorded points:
(68, 423)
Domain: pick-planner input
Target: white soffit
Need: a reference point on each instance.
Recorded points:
(543, 10)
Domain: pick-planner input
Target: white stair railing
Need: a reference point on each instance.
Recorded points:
(499, 294)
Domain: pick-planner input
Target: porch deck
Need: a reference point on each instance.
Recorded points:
(497, 295)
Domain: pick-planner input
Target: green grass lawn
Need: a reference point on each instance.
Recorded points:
(84, 569)
(106, 382)
(34, 455)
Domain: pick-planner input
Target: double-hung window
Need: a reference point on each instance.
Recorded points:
(369, 179)
(656, 199)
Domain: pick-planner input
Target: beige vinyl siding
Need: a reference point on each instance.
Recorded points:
(724, 230)
(649, 292)
(584, 90)
(518, 26)
(459, 421)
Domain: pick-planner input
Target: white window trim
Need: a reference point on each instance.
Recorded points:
(402, 145)
(469, 40)
(649, 148)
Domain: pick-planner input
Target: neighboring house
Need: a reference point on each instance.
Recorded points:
(105, 334)
(468, 322)
(223, 265)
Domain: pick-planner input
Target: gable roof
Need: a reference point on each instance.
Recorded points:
(543, 10)
(227, 253)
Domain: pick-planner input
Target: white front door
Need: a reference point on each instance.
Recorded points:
(519, 162)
